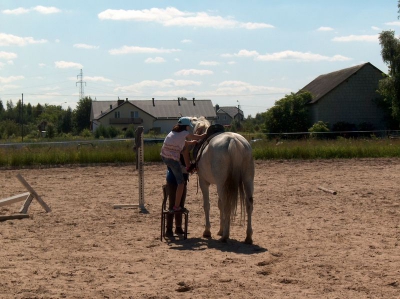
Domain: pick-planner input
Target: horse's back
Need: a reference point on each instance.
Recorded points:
(226, 151)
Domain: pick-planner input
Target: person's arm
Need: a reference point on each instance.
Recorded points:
(196, 136)
(190, 142)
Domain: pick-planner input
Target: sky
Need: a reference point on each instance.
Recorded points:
(248, 53)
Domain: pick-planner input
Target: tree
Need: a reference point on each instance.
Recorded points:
(81, 115)
(289, 114)
(389, 86)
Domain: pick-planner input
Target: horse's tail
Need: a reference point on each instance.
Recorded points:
(233, 186)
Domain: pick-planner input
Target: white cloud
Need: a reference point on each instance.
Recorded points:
(242, 53)
(189, 72)
(240, 87)
(287, 55)
(252, 26)
(41, 65)
(151, 84)
(155, 60)
(40, 9)
(173, 93)
(322, 28)
(395, 23)
(85, 46)
(357, 38)
(46, 9)
(376, 28)
(66, 65)
(10, 79)
(7, 55)
(299, 56)
(8, 86)
(174, 17)
(186, 41)
(209, 63)
(140, 50)
(17, 11)
(231, 62)
(13, 40)
(97, 79)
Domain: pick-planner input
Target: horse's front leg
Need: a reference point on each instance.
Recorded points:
(204, 186)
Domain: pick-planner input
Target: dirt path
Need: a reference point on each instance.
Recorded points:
(308, 243)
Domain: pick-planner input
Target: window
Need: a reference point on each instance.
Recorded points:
(116, 114)
(134, 114)
(224, 117)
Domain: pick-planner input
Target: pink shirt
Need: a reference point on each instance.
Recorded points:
(173, 145)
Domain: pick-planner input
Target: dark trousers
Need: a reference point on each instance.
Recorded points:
(171, 202)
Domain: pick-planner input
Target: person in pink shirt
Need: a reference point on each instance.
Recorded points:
(171, 150)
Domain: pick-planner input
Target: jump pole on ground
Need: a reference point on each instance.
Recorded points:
(139, 148)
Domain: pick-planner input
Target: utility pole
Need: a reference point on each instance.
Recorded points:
(81, 93)
(22, 118)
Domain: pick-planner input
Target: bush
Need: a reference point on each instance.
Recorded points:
(86, 133)
(130, 132)
(112, 132)
(101, 131)
(50, 131)
(319, 127)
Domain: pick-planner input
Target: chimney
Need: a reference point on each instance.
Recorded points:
(126, 100)
(216, 108)
(120, 102)
(110, 107)
(194, 104)
(179, 101)
(154, 104)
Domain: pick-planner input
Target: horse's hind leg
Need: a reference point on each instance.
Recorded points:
(204, 186)
(221, 218)
(226, 228)
(249, 231)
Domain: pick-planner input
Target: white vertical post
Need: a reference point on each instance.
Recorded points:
(140, 157)
(139, 148)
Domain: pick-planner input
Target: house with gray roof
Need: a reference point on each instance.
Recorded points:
(348, 95)
(159, 115)
(226, 114)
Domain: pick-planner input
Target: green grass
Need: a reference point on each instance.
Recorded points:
(327, 149)
(34, 155)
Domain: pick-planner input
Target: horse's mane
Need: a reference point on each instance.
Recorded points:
(200, 124)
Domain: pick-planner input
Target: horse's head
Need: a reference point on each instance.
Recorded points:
(200, 125)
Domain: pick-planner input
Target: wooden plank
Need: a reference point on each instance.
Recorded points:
(13, 199)
(327, 190)
(33, 192)
(27, 203)
(15, 216)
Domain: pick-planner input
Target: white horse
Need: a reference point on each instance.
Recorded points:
(226, 161)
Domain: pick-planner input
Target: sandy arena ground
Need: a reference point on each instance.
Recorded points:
(307, 243)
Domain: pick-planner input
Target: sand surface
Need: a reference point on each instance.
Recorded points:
(307, 243)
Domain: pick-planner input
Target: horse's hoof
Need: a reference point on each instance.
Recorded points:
(206, 235)
(248, 241)
(224, 240)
